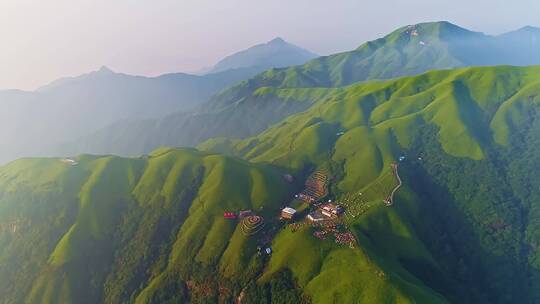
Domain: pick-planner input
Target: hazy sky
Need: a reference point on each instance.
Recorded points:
(42, 40)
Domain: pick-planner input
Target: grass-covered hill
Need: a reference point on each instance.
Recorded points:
(462, 229)
(470, 141)
(112, 229)
(151, 230)
(245, 110)
(472, 108)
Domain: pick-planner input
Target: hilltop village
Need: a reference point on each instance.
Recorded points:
(311, 207)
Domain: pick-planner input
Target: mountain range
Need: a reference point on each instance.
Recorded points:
(434, 162)
(152, 229)
(33, 122)
(244, 109)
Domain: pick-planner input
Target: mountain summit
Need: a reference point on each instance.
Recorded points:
(277, 40)
(273, 54)
(105, 70)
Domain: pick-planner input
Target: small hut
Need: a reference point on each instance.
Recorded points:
(288, 213)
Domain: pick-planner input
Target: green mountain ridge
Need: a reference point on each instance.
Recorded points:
(476, 106)
(151, 229)
(407, 51)
(240, 111)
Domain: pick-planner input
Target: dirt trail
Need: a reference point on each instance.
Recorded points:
(390, 199)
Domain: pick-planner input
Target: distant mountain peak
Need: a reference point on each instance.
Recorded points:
(102, 72)
(529, 28)
(529, 35)
(105, 70)
(277, 40)
(428, 31)
(275, 53)
(441, 23)
(436, 27)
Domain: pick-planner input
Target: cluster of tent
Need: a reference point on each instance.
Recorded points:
(240, 215)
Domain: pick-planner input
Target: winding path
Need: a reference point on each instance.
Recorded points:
(390, 200)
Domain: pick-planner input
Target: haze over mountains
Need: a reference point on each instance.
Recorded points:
(245, 109)
(33, 122)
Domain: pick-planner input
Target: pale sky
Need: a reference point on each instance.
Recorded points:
(42, 40)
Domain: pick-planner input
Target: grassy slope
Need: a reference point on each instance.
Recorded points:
(109, 200)
(470, 107)
(109, 250)
(473, 112)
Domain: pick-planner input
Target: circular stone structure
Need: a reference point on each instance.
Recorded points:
(252, 224)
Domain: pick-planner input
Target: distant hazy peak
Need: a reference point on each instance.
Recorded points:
(274, 53)
(277, 40)
(526, 39)
(529, 28)
(105, 70)
(524, 31)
